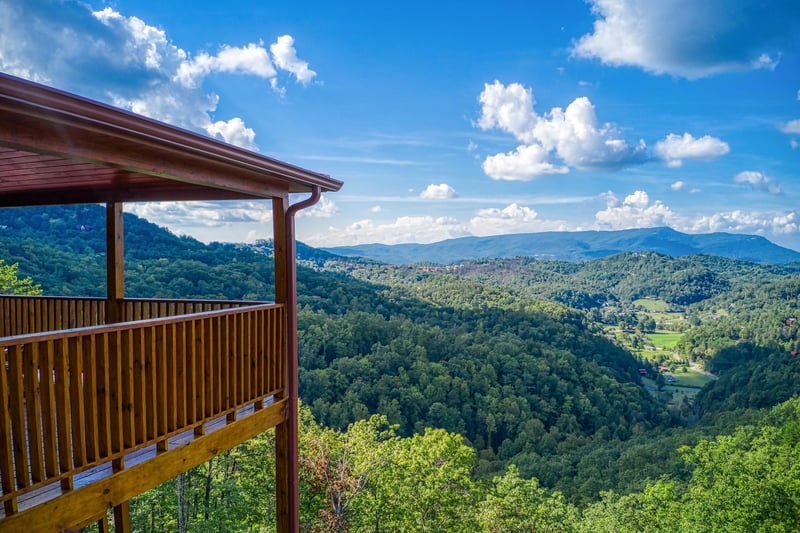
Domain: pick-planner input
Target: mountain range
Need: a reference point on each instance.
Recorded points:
(576, 246)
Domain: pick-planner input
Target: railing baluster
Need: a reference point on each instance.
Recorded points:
(115, 386)
(161, 380)
(61, 356)
(17, 411)
(76, 400)
(6, 451)
(151, 422)
(126, 367)
(90, 398)
(103, 394)
(171, 378)
(47, 387)
(180, 372)
(33, 410)
(139, 414)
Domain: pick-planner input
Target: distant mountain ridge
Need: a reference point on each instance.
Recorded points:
(577, 246)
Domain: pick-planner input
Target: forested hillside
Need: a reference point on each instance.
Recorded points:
(524, 376)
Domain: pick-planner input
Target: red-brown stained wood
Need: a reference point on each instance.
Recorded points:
(150, 387)
(102, 392)
(33, 409)
(61, 358)
(161, 380)
(139, 413)
(16, 400)
(76, 400)
(90, 398)
(115, 385)
(172, 373)
(49, 412)
(180, 373)
(6, 450)
(126, 355)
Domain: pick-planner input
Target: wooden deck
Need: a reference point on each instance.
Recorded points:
(89, 402)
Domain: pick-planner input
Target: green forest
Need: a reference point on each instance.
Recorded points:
(639, 392)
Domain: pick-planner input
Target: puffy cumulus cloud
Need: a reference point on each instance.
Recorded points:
(233, 131)
(508, 108)
(701, 38)
(740, 221)
(441, 191)
(574, 135)
(758, 180)
(793, 126)
(112, 57)
(678, 185)
(577, 137)
(422, 229)
(522, 164)
(675, 148)
(513, 218)
(375, 209)
(636, 211)
(286, 58)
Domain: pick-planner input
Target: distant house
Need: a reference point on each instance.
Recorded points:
(643, 371)
(790, 321)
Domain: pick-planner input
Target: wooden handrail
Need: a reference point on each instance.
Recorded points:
(81, 397)
(22, 315)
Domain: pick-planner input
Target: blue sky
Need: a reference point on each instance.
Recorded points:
(447, 119)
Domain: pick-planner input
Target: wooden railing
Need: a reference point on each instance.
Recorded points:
(75, 399)
(22, 315)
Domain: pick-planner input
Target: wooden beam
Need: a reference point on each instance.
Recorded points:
(92, 500)
(115, 262)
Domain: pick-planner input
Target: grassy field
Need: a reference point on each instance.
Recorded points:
(665, 340)
(650, 305)
(690, 378)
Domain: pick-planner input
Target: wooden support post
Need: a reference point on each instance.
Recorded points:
(115, 263)
(122, 512)
(284, 487)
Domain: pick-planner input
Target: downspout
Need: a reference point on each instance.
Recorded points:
(291, 350)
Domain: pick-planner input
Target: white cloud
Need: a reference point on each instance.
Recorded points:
(523, 164)
(578, 138)
(233, 131)
(793, 143)
(375, 209)
(700, 38)
(508, 108)
(286, 58)
(675, 148)
(793, 126)
(636, 211)
(758, 180)
(325, 208)
(513, 218)
(740, 221)
(252, 59)
(678, 185)
(442, 191)
(203, 214)
(112, 57)
(422, 229)
(573, 134)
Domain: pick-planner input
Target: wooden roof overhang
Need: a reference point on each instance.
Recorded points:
(57, 148)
